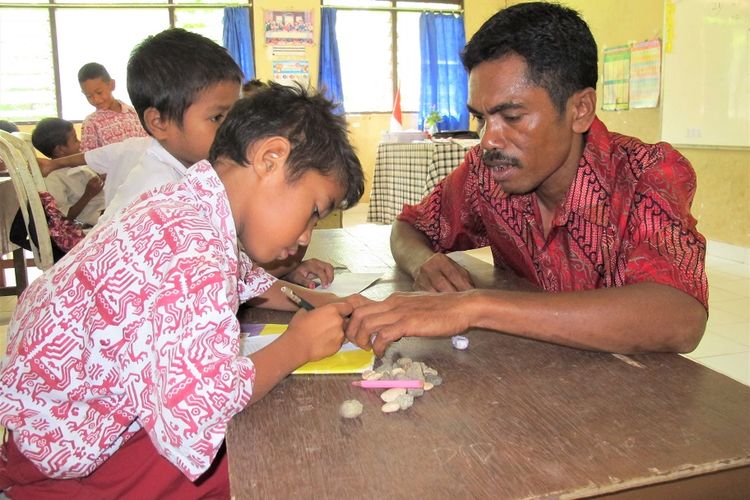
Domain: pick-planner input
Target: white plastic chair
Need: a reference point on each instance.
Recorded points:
(28, 182)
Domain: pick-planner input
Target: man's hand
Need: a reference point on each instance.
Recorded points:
(440, 274)
(378, 324)
(307, 271)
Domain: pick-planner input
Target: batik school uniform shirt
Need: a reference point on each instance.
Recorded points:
(105, 126)
(625, 219)
(135, 328)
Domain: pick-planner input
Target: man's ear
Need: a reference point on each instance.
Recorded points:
(583, 109)
(268, 155)
(154, 123)
(57, 151)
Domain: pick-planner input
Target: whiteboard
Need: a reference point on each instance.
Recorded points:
(706, 75)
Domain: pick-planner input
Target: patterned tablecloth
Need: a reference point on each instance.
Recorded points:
(405, 173)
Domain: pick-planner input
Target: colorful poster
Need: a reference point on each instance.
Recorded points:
(616, 78)
(645, 74)
(284, 27)
(289, 71)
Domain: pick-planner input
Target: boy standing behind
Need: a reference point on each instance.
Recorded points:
(77, 191)
(123, 365)
(113, 121)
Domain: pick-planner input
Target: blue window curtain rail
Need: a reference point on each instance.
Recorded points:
(444, 86)
(329, 74)
(238, 39)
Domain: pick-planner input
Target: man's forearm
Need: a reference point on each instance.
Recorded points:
(644, 317)
(410, 248)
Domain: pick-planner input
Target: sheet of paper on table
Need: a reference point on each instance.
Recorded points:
(346, 283)
(349, 359)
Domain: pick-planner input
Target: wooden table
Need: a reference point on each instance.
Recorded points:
(514, 418)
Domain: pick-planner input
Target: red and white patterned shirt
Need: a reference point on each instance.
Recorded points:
(135, 328)
(104, 127)
(626, 219)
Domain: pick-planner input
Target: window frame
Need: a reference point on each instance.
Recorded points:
(52, 6)
(394, 9)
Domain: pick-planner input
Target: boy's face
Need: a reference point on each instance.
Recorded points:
(99, 93)
(191, 142)
(277, 217)
(72, 146)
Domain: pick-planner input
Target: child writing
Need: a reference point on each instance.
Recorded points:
(182, 85)
(77, 191)
(122, 369)
(113, 121)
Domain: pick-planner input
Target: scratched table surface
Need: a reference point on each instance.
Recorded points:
(514, 418)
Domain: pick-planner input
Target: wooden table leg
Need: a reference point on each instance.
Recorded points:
(19, 265)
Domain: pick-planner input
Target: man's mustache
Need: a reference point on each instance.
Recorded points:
(492, 157)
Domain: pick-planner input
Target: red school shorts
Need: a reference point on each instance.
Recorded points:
(136, 470)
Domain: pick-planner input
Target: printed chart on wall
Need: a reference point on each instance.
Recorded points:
(288, 34)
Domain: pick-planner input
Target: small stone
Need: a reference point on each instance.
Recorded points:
(391, 394)
(397, 371)
(372, 375)
(351, 408)
(460, 342)
(404, 401)
(434, 379)
(404, 362)
(414, 372)
(428, 386)
(390, 407)
(415, 392)
(429, 371)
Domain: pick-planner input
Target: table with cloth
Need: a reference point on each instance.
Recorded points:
(405, 173)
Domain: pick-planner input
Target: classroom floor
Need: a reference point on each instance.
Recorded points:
(725, 347)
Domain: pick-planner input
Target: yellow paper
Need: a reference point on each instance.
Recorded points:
(349, 359)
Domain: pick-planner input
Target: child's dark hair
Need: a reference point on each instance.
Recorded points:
(318, 137)
(168, 70)
(251, 86)
(92, 71)
(557, 45)
(49, 133)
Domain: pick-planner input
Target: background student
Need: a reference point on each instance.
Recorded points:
(77, 191)
(598, 220)
(182, 86)
(123, 370)
(113, 121)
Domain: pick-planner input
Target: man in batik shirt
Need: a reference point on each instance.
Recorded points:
(600, 219)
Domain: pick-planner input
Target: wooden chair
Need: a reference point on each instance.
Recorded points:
(28, 182)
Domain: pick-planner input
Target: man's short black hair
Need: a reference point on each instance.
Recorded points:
(318, 137)
(50, 133)
(92, 71)
(168, 70)
(556, 43)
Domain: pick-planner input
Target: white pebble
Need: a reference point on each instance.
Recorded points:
(390, 407)
(460, 342)
(351, 408)
(392, 394)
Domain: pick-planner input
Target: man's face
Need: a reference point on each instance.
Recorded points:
(527, 144)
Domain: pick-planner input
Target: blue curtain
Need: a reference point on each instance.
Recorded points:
(238, 39)
(329, 74)
(444, 83)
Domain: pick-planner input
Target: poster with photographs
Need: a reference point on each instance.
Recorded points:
(287, 27)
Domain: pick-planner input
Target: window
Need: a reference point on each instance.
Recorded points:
(42, 48)
(370, 74)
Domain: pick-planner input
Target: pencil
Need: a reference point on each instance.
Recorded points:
(297, 299)
(389, 384)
